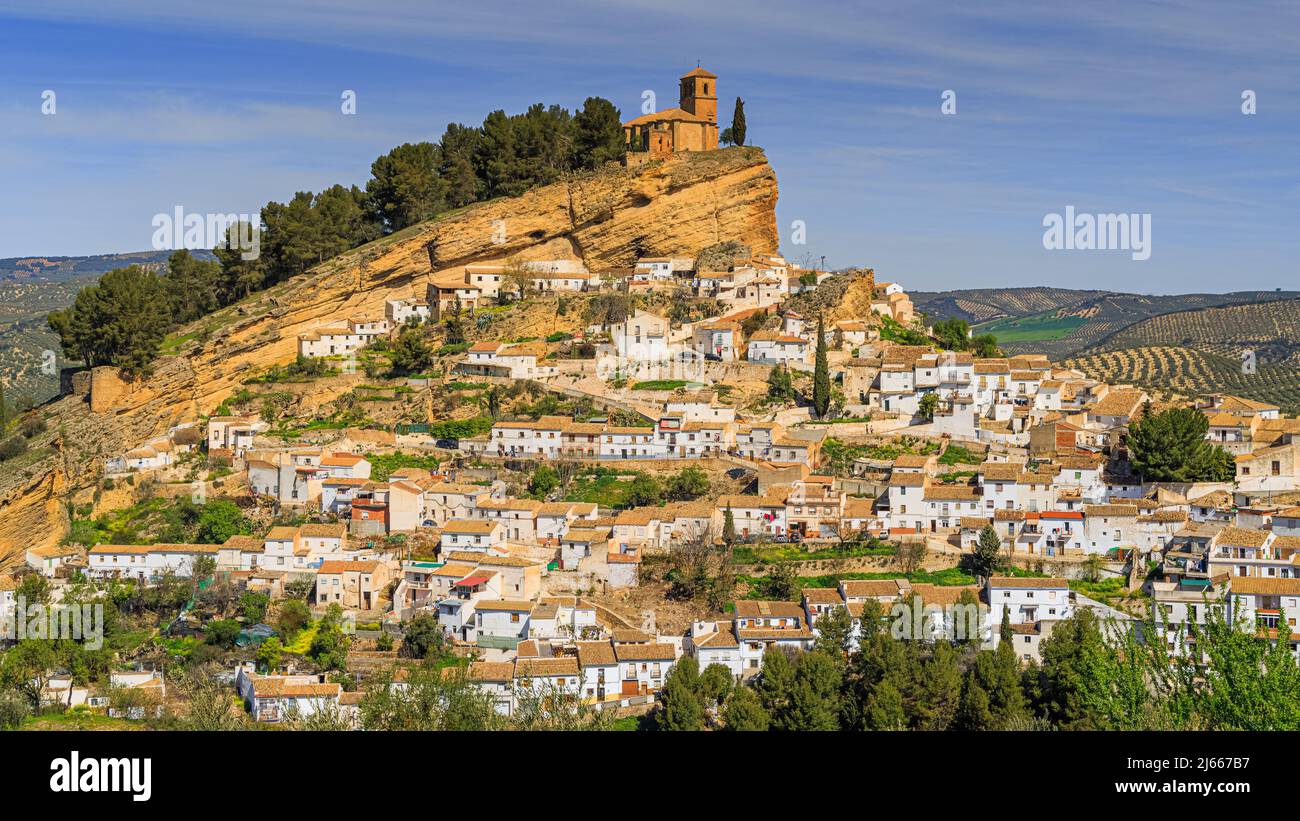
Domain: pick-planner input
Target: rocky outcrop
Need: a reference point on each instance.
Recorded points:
(32, 517)
(855, 302)
(605, 218)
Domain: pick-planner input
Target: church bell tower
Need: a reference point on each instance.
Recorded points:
(699, 94)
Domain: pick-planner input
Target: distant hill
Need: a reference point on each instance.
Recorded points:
(1060, 322)
(31, 287)
(1201, 352)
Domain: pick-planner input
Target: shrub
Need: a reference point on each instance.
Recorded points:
(12, 447)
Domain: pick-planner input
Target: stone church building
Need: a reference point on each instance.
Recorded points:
(692, 126)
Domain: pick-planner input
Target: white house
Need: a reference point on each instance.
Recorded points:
(276, 698)
(773, 348)
(400, 311)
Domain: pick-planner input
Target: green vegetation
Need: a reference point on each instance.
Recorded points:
(780, 385)
(1171, 447)
(301, 369)
(760, 554)
(156, 520)
(958, 455)
(1033, 328)
(738, 133)
(382, 465)
(461, 428)
(892, 331)
(621, 489)
(955, 335)
(839, 456)
(821, 395)
(1210, 364)
(116, 321)
(660, 385)
(1085, 682)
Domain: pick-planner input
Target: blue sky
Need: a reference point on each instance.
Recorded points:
(1109, 107)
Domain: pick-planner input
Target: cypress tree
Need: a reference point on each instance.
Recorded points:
(738, 123)
(821, 373)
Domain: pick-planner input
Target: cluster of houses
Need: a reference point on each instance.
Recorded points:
(1244, 570)
(762, 283)
(1044, 469)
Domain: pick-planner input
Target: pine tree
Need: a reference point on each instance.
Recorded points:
(744, 712)
(973, 711)
(597, 134)
(886, 712)
(834, 631)
(680, 705)
(738, 123)
(821, 373)
(814, 696)
(775, 683)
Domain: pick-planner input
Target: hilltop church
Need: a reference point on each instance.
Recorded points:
(692, 126)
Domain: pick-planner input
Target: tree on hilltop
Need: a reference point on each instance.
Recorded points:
(738, 123)
(597, 134)
(405, 187)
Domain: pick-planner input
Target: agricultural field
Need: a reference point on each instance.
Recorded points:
(1190, 371)
(1271, 330)
(1202, 351)
(1059, 322)
(985, 304)
(1033, 328)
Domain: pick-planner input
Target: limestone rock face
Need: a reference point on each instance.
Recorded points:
(33, 517)
(606, 219)
(855, 303)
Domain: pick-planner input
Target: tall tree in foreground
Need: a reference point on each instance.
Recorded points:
(821, 372)
(738, 123)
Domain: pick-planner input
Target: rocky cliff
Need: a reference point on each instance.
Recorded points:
(605, 219)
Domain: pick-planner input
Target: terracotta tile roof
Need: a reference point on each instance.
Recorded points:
(749, 609)
(822, 595)
(596, 654)
(544, 667)
(1242, 537)
(333, 567)
(1264, 586)
(645, 652)
(873, 588)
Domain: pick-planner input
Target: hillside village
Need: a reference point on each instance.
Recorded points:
(928, 448)
(566, 482)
